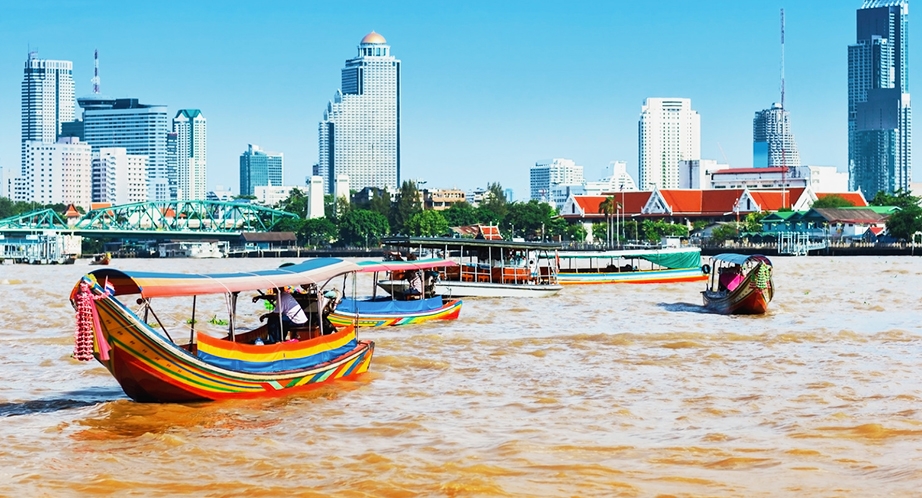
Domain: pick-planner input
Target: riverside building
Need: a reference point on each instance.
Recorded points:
(669, 132)
(141, 129)
(47, 100)
(879, 112)
(119, 177)
(359, 135)
(190, 128)
(59, 172)
(773, 143)
(259, 168)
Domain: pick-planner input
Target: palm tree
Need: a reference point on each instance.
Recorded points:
(607, 207)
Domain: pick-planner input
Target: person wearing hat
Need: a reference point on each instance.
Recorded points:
(286, 315)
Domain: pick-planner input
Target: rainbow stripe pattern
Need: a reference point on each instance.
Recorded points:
(632, 277)
(388, 312)
(151, 368)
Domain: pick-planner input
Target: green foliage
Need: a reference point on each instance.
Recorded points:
(408, 204)
(727, 231)
(428, 223)
(361, 227)
(316, 232)
(753, 221)
(296, 203)
(653, 231)
(902, 224)
(832, 201)
(901, 199)
(460, 214)
(576, 232)
(529, 219)
(8, 208)
(244, 197)
(699, 225)
(217, 321)
(494, 205)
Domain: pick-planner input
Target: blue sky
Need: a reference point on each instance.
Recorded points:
(488, 87)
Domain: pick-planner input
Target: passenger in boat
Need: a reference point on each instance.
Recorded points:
(415, 279)
(332, 299)
(287, 314)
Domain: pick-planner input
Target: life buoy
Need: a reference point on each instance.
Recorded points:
(706, 269)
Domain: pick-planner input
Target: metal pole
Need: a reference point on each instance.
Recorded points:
(192, 327)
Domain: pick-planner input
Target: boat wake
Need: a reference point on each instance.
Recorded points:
(683, 307)
(73, 399)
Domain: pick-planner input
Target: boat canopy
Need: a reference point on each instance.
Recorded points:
(440, 242)
(669, 258)
(741, 259)
(150, 284)
(419, 264)
(388, 305)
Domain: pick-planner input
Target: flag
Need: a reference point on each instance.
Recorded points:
(108, 288)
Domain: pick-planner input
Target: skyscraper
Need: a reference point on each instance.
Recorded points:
(359, 135)
(669, 132)
(259, 168)
(47, 100)
(189, 125)
(773, 143)
(546, 174)
(879, 112)
(140, 128)
(58, 172)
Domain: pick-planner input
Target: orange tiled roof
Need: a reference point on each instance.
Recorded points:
(773, 200)
(856, 198)
(633, 202)
(100, 205)
(71, 212)
(489, 232)
(720, 201)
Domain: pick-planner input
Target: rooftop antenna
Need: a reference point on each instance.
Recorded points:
(784, 165)
(95, 79)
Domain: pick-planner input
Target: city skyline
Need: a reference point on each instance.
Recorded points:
(511, 93)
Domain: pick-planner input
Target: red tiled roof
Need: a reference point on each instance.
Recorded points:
(100, 205)
(773, 200)
(632, 201)
(489, 232)
(683, 200)
(71, 212)
(777, 169)
(876, 230)
(856, 198)
(720, 201)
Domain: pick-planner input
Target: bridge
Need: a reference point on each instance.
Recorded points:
(154, 220)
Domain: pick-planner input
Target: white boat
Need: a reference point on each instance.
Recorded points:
(632, 266)
(193, 249)
(486, 268)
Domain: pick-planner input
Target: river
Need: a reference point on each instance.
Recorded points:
(607, 390)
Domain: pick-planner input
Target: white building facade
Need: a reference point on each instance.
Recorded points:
(548, 174)
(191, 131)
(140, 129)
(669, 132)
(697, 173)
(58, 172)
(119, 177)
(272, 195)
(822, 179)
(359, 135)
(47, 100)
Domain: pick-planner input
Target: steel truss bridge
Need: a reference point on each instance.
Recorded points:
(155, 220)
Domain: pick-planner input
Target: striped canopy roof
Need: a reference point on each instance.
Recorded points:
(149, 284)
(419, 264)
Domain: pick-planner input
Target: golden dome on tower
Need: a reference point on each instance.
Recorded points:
(373, 38)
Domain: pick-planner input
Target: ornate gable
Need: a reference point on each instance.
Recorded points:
(656, 204)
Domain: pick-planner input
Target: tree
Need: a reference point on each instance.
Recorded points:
(494, 202)
(295, 203)
(832, 201)
(428, 223)
(532, 220)
(362, 227)
(316, 232)
(905, 222)
(406, 206)
(901, 199)
(460, 214)
(607, 207)
(724, 232)
(576, 232)
(753, 221)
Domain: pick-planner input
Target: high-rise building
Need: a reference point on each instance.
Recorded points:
(544, 175)
(879, 112)
(773, 143)
(190, 128)
(47, 100)
(119, 177)
(359, 135)
(139, 128)
(259, 168)
(59, 172)
(669, 132)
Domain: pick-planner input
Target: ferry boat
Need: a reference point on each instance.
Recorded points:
(193, 249)
(632, 266)
(486, 268)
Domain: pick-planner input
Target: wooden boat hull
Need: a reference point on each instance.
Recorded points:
(450, 310)
(632, 277)
(749, 298)
(487, 289)
(150, 368)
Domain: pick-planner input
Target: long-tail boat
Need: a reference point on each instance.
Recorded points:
(151, 366)
(487, 267)
(739, 284)
(404, 305)
(631, 266)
